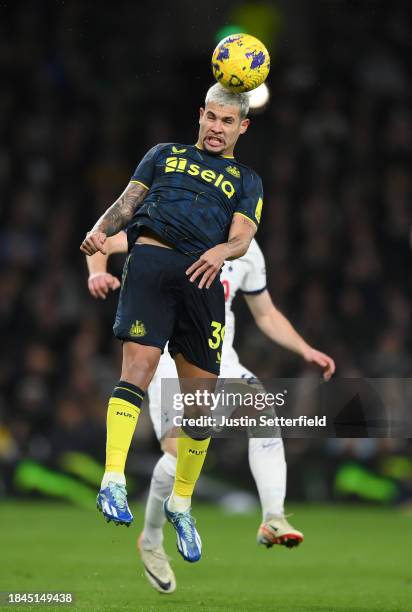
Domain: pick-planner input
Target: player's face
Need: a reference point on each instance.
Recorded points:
(220, 127)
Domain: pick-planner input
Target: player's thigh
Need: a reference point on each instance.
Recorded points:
(160, 395)
(234, 376)
(147, 307)
(240, 381)
(235, 370)
(264, 428)
(198, 335)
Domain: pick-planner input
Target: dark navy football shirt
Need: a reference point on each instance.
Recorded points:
(192, 196)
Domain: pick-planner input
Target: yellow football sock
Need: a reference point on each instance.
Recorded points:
(191, 455)
(122, 415)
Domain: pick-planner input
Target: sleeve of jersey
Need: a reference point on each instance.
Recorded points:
(254, 282)
(251, 202)
(144, 173)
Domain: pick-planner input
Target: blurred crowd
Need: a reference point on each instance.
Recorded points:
(86, 93)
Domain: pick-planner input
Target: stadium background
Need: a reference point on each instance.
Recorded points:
(85, 92)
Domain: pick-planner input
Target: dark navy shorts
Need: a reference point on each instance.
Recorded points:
(158, 304)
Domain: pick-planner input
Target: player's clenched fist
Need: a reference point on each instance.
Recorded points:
(94, 241)
(101, 283)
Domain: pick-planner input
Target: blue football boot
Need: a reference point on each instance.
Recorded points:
(112, 501)
(189, 543)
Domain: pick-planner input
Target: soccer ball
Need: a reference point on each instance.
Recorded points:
(240, 62)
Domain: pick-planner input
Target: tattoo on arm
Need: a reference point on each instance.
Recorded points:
(119, 214)
(235, 241)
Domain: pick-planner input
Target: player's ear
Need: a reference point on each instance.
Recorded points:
(201, 113)
(244, 124)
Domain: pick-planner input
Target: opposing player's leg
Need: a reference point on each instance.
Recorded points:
(150, 542)
(268, 466)
(161, 415)
(139, 365)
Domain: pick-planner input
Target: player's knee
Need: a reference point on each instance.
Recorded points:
(139, 363)
(266, 444)
(169, 445)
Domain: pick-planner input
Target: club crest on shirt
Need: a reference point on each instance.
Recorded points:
(233, 171)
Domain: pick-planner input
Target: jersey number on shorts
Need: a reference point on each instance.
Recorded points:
(218, 335)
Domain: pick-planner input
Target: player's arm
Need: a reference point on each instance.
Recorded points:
(100, 282)
(114, 219)
(241, 233)
(277, 327)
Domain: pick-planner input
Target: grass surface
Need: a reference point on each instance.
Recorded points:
(353, 559)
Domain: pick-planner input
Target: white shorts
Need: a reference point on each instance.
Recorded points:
(162, 416)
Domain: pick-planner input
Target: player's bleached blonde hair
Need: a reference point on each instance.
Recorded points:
(217, 93)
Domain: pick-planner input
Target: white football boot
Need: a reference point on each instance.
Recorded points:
(277, 530)
(157, 567)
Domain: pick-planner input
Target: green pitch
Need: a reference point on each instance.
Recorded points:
(353, 559)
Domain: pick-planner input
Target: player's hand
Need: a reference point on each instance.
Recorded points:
(209, 265)
(322, 360)
(101, 283)
(94, 241)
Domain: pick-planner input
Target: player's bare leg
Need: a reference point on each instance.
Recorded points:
(150, 542)
(138, 367)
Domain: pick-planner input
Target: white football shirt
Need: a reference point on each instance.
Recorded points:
(248, 275)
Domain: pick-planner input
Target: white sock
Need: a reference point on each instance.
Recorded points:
(112, 477)
(161, 486)
(268, 466)
(179, 504)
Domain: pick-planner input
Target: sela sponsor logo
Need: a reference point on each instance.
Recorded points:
(180, 164)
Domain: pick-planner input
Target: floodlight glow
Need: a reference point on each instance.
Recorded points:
(258, 97)
(228, 30)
